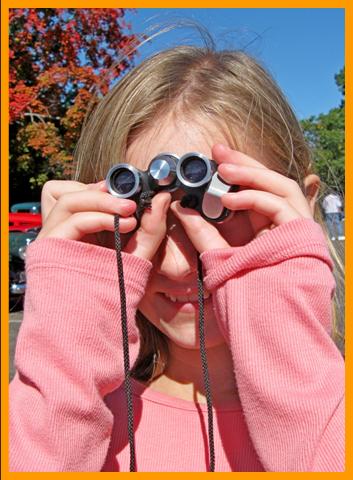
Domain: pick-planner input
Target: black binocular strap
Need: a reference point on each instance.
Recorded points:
(203, 354)
(128, 392)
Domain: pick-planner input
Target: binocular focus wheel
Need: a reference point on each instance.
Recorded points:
(162, 169)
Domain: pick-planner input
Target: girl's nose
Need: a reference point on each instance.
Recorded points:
(177, 257)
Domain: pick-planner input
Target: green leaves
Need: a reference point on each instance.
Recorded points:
(326, 136)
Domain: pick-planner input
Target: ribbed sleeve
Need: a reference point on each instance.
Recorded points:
(69, 354)
(272, 299)
(302, 237)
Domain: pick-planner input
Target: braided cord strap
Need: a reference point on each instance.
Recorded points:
(206, 378)
(128, 391)
(145, 201)
(130, 411)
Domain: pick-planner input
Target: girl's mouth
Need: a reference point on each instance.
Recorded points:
(185, 298)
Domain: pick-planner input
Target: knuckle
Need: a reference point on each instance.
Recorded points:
(77, 222)
(47, 189)
(49, 185)
(74, 218)
(106, 201)
(64, 200)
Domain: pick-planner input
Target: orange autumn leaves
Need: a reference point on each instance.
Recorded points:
(61, 60)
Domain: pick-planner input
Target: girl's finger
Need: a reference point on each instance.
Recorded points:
(153, 218)
(53, 190)
(265, 180)
(203, 234)
(224, 154)
(101, 186)
(277, 209)
(145, 242)
(88, 201)
(83, 223)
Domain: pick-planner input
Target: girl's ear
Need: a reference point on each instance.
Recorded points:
(312, 187)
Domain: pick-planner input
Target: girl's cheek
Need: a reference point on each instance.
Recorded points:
(237, 231)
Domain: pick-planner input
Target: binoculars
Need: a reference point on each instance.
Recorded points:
(193, 173)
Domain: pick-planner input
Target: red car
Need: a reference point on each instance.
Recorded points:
(24, 221)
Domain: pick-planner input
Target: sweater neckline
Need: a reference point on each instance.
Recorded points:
(141, 390)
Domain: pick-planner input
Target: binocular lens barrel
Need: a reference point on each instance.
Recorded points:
(123, 181)
(194, 170)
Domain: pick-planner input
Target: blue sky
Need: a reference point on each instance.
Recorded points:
(302, 48)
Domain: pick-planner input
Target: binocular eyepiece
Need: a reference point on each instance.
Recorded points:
(194, 173)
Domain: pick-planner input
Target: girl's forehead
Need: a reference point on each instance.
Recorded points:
(178, 136)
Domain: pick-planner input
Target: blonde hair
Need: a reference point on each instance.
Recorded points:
(228, 87)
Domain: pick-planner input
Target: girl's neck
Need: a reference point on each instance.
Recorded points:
(183, 376)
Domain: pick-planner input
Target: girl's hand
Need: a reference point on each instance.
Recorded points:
(78, 211)
(270, 198)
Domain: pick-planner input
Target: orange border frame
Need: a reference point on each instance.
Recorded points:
(5, 5)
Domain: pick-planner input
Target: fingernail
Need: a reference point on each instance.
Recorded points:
(224, 146)
(126, 203)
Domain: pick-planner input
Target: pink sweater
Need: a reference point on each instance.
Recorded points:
(272, 299)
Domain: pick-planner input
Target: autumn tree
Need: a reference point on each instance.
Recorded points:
(326, 136)
(61, 60)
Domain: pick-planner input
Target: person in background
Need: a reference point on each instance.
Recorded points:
(332, 206)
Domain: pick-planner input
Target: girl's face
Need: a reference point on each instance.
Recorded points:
(170, 301)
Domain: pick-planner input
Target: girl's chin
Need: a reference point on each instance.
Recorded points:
(191, 340)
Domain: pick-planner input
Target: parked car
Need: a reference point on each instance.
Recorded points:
(18, 243)
(25, 216)
(26, 207)
(24, 221)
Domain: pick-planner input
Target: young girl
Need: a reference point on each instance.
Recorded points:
(277, 378)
